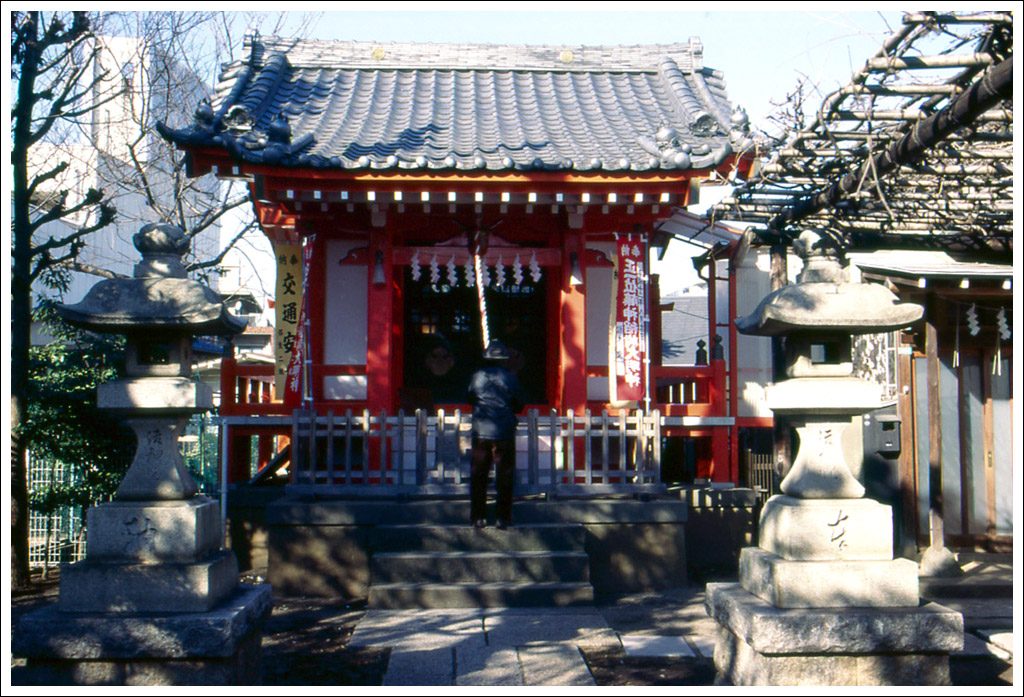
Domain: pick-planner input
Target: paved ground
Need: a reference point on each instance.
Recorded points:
(587, 646)
(650, 639)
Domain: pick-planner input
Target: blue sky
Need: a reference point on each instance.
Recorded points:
(763, 54)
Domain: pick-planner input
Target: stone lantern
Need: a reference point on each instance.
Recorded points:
(157, 598)
(821, 600)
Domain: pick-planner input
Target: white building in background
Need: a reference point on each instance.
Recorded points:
(117, 148)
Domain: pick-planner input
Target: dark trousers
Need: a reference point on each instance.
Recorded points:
(502, 454)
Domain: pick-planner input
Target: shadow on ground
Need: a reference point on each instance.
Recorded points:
(306, 642)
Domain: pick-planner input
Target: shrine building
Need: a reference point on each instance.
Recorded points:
(422, 198)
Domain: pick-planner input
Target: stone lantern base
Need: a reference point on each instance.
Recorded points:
(219, 647)
(760, 644)
(822, 601)
(156, 602)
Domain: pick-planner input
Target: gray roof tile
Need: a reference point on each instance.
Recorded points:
(358, 105)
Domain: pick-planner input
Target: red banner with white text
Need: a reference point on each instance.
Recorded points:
(627, 369)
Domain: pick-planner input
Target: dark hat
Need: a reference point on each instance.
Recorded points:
(497, 351)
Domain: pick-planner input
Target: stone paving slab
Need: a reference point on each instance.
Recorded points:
(652, 645)
(555, 664)
(476, 665)
(419, 628)
(420, 667)
(705, 644)
(1001, 640)
(521, 629)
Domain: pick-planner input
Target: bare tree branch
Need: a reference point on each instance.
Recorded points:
(82, 267)
(227, 248)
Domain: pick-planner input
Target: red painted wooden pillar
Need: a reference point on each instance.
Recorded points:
(720, 467)
(379, 326)
(572, 314)
(734, 378)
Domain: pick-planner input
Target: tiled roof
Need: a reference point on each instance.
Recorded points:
(927, 263)
(360, 105)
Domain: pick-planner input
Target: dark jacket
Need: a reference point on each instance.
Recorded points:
(495, 395)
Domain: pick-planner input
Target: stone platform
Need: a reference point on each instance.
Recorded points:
(760, 644)
(219, 647)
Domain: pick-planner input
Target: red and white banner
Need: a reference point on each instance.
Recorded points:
(627, 371)
(297, 389)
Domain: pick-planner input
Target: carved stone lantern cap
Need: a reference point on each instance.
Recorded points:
(160, 297)
(824, 300)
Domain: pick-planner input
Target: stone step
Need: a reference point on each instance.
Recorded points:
(447, 538)
(480, 567)
(395, 596)
(971, 586)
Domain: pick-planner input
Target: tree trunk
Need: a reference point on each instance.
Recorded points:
(782, 446)
(21, 318)
(21, 313)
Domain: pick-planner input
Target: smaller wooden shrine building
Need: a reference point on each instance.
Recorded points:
(440, 194)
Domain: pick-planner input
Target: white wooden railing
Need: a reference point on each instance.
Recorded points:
(429, 453)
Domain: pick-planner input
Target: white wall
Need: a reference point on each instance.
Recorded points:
(754, 353)
(345, 311)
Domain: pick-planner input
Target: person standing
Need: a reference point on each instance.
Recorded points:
(495, 395)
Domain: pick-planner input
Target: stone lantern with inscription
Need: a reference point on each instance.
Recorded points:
(157, 598)
(821, 600)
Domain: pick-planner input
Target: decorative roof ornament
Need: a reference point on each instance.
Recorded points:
(704, 125)
(667, 149)
(204, 115)
(279, 130)
(237, 120)
(739, 132)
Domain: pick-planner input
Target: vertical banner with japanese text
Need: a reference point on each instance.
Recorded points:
(287, 305)
(297, 380)
(627, 365)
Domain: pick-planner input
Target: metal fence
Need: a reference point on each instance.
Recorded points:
(761, 475)
(59, 536)
(429, 453)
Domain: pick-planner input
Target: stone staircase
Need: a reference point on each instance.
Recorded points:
(458, 566)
